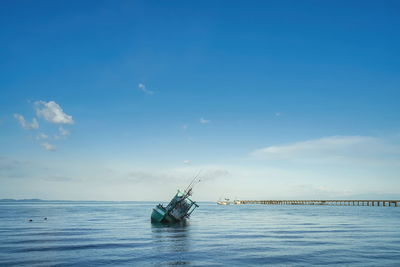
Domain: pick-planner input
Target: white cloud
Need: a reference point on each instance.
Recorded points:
(181, 175)
(215, 173)
(52, 112)
(187, 162)
(63, 131)
(26, 125)
(333, 149)
(154, 177)
(143, 88)
(319, 191)
(204, 121)
(48, 147)
(42, 136)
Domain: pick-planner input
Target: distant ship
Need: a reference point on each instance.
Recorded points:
(224, 202)
(228, 202)
(179, 208)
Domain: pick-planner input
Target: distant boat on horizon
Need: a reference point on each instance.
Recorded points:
(227, 201)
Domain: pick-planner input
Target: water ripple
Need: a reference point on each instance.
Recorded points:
(119, 234)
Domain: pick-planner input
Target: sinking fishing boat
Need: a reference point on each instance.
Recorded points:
(179, 208)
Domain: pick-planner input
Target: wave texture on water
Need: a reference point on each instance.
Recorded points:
(120, 233)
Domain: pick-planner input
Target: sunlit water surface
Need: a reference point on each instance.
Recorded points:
(120, 233)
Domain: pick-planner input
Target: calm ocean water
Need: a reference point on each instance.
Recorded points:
(120, 233)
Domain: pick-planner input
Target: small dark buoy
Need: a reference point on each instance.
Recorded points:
(45, 218)
(30, 220)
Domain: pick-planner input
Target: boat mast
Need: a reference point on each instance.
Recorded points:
(188, 190)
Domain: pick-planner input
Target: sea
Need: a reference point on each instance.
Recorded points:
(121, 234)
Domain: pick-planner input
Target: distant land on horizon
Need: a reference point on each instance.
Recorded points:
(20, 200)
(58, 200)
(354, 197)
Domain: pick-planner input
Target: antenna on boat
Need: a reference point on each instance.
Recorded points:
(188, 190)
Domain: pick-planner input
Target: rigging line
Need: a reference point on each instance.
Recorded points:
(191, 183)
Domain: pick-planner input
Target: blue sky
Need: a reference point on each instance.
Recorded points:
(128, 100)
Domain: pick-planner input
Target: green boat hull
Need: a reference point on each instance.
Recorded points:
(160, 215)
(179, 209)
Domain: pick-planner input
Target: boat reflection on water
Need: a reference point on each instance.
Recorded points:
(170, 228)
(171, 243)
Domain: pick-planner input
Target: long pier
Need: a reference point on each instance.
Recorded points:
(380, 203)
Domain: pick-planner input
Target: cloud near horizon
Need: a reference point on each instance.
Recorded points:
(179, 176)
(333, 149)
